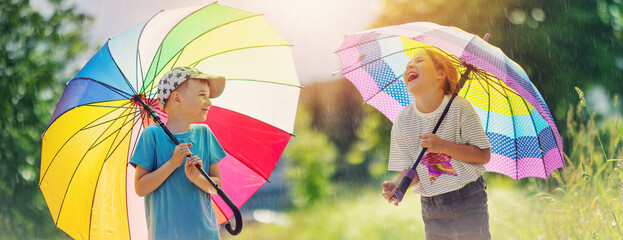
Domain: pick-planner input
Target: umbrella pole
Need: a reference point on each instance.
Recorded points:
(410, 174)
(219, 191)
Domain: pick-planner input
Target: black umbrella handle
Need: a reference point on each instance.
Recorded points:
(219, 191)
(410, 174)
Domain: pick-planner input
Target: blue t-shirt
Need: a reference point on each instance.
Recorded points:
(178, 209)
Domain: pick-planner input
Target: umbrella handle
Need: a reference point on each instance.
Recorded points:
(236, 211)
(410, 174)
(407, 179)
(229, 203)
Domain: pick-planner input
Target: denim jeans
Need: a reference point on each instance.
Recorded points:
(460, 214)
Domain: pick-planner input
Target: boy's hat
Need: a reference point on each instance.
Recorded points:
(176, 76)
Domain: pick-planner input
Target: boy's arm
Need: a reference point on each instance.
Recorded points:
(463, 152)
(146, 182)
(195, 176)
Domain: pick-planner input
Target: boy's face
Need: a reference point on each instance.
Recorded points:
(421, 74)
(194, 100)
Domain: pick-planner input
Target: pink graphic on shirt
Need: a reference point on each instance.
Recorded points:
(438, 163)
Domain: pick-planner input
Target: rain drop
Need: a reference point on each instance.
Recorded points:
(517, 16)
(538, 14)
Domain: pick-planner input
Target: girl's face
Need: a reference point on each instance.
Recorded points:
(421, 74)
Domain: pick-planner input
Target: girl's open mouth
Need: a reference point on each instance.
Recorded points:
(412, 76)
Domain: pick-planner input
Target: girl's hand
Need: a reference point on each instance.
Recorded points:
(181, 151)
(434, 143)
(389, 189)
(191, 171)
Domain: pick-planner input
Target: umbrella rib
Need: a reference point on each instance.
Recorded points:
(366, 42)
(502, 83)
(132, 146)
(158, 54)
(538, 138)
(510, 107)
(160, 48)
(159, 51)
(107, 121)
(263, 81)
(382, 89)
(114, 89)
(106, 138)
(179, 54)
(140, 64)
(122, 74)
(491, 82)
(55, 155)
(469, 84)
(72, 177)
(138, 52)
(380, 58)
(488, 92)
(108, 155)
(106, 106)
(238, 49)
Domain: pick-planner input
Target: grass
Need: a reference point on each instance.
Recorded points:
(361, 213)
(584, 200)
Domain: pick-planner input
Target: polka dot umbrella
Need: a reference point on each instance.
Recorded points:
(524, 138)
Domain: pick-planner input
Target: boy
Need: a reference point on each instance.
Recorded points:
(177, 199)
(454, 201)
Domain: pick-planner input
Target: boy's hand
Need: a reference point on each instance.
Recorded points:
(389, 189)
(191, 171)
(434, 143)
(181, 151)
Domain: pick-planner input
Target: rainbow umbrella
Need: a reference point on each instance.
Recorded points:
(524, 138)
(85, 176)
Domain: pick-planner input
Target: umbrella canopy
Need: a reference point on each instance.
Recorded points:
(85, 176)
(524, 138)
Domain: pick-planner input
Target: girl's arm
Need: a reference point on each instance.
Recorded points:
(389, 187)
(462, 152)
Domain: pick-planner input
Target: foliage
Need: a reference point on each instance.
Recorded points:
(560, 44)
(372, 146)
(611, 13)
(580, 201)
(34, 52)
(312, 160)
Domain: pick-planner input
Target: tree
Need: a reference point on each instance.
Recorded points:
(312, 159)
(560, 43)
(34, 54)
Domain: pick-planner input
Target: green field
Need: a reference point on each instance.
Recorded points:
(583, 200)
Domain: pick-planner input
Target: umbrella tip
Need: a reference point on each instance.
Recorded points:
(487, 36)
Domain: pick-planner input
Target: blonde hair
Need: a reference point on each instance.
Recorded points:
(445, 64)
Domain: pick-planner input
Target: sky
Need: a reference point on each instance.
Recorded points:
(314, 28)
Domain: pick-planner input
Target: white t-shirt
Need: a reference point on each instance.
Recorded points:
(438, 173)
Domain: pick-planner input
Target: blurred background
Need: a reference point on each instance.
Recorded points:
(327, 185)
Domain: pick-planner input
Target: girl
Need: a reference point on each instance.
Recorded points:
(454, 201)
